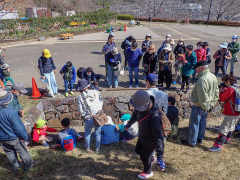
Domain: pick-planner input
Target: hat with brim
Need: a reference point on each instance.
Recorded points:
(5, 97)
(224, 45)
(200, 63)
(109, 122)
(5, 66)
(140, 100)
(148, 35)
(46, 53)
(40, 123)
(151, 77)
(167, 47)
(172, 41)
(82, 84)
(19, 87)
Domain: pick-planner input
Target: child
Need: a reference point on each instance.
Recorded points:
(109, 132)
(40, 134)
(131, 133)
(95, 86)
(69, 76)
(6, 74)
(67, 132)
(208, 52)
(172, 115)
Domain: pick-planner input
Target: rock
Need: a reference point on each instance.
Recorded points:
(124, 99)
(46, 102)
(76, 115)
(58, 114)
(187, 113)
(76, 123)
(42, 38)
(177, 98)
(111, 99)
(56, 102)
(185, 97)
(180, 112)
(49, 109)
(74, 107)
(29, 123)
(54, 122)
(69, 101)
(62, 109)
(49, 115)
(121, 107)
(66, 115)
(34, 111)
(172, 94)
(210, 115)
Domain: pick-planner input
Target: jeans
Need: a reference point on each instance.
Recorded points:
(51, 83)
(136, 70)
(112, 78)
(197, 124)
(223, 69)
(232, 62)
(89, 124)
(66, 85)
(8, 79)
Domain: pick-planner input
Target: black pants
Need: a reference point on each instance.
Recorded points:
(126, 61)
(165, 75)
(185, 79)
(146, 156)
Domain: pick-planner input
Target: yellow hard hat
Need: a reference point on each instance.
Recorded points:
(46, 53)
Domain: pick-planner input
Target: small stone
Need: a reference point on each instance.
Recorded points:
(46, 102)
(63, 109)
(49, 109)
(172, 94)
(185, 97)
(76, 123)
(111, 99)
(66, 115)
(56, 102)
(74, 107)
(69, 101)
(49, 115)
(124, 99)
(58, 114)
(121, 107)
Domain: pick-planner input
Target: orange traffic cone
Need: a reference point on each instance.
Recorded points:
(35, 91)
(125, 27)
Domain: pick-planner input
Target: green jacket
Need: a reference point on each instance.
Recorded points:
(206, 91)
(234, 48)
(187, 69)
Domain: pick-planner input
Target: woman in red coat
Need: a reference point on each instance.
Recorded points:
(227, 95)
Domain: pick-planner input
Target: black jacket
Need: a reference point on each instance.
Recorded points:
(46, 65)
(113, 60)
(150, 129)
(179, 50)
(151, 60)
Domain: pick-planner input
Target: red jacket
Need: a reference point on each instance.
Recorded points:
(224, 96)
(37, 132)
(201, 54)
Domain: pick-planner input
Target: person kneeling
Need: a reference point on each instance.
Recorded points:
(109, 132)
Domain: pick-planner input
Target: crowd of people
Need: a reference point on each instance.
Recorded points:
(150, 106)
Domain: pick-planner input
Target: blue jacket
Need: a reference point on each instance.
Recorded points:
(11, 126)
(89, 78)
(46, 65)
(109, 134)
(69, 74)
(113, 60)
(14, 104)
(187, 69)
(134, 57)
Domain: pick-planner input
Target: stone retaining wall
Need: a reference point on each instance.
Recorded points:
(54, 110)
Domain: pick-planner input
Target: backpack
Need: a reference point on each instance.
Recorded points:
(69, 142)
(235, 106)
(80, 72)
(124, 45)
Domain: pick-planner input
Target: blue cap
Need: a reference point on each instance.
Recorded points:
(235, 37)
(151, 77)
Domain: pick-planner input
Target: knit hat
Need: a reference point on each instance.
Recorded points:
(109, 122)
(140, 100)
(5, 97)
(46, 53)
(40, 123)
(126, 117)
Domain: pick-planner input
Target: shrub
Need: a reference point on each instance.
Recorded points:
(220, 23)
(156, 19)
(125, 17)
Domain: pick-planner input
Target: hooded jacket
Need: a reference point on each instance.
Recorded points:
(150, 129)
(234, 48)
(201, 54)
(11, 126)
(205, 91)
(46, 65)
(38, 132)
(69, 74)
(187, 69)
(107, 48)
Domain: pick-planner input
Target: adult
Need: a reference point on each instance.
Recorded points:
(204, 97)
(227, 95)
(113, 59)
(125, 45)
(161, 97)
(48, 69)
(150, 60)
(179, 51)
(134, 55)
(17, 90)
(188, 64)
(146, 113)
(165, 42)
(106, 49)
(234, 48)
(90, 102)
(146, 44)
(150, 20)
(222, 56)
(89, 75)
(165, 66)
(13, 134)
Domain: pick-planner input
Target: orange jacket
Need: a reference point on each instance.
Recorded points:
(1, 83)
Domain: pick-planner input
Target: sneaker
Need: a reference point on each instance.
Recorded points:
(66, 94)
(174, 82)
(109, 87)
(125, 140)
(136, 86)
(145, 175)
(97, 151)
(88, 149)
(130, 86)
(154, 161)
(161, 165)
(72, 93)
(199, 141)
(53, 147)
(214, 149)
(45, 144)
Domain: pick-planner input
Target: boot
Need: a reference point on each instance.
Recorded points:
(228, 138)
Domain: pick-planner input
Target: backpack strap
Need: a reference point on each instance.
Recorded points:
(38, 131)
(144, 118)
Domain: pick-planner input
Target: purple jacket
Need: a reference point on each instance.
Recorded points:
(134, 57)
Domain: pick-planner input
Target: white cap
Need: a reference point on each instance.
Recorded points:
(168, 35)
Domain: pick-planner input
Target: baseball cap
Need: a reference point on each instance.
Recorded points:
(151, 77)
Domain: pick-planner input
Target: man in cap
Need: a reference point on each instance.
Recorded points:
(13, 134)
(17, 90)
(161, 97)
(47, 69)
(134, 55)
(146, 113)
(234, 48)
(204, 96)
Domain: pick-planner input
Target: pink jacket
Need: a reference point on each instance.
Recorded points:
(201, 54)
